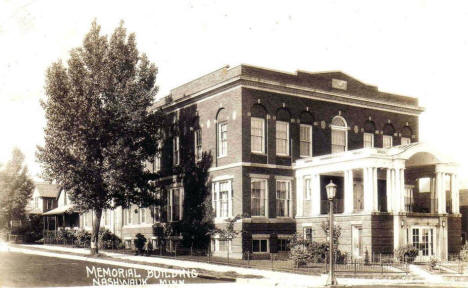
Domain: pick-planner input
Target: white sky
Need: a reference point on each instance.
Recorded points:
(414, 48)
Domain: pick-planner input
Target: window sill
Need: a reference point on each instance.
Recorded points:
(222, 156)
(305, 156)
(138, 225)
(283, 155)
(258, 153)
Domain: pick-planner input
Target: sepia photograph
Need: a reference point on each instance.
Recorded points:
(204, 143)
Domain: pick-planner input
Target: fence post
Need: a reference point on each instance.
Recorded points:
(271, 257)
(355, 266)
(248, 258)
(175, 251)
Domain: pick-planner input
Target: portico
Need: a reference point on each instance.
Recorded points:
(389, 196)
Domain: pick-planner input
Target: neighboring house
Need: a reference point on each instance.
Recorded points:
(464, 213)
(44, 198)
(277, 139)
(64, 216)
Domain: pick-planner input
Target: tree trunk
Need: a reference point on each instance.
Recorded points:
(95, 234)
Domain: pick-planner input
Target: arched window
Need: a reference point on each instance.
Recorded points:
(368, 136)
(282, 132)
(305, 134)
(406, 133)
(222, 132)
(339, 135)
(388, 132)
(257, 128)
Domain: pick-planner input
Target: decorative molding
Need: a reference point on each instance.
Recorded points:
(259, 176)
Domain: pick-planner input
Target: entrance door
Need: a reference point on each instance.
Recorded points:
(356, 234)
(423, 239)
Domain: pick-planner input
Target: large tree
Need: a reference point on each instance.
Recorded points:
(16, 188)
(100, 128)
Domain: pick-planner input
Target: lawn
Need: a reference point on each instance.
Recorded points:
(24, 270)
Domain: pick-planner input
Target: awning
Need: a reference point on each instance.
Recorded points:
(61, 210)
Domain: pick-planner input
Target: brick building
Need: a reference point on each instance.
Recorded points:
(278, 139)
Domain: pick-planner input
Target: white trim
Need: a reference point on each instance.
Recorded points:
(222, 177)
(259, 176)
(249, 164)
(260, 236)
(369, 103)
(280, 177)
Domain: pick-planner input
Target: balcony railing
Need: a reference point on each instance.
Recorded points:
(427, 205)
(338, 206)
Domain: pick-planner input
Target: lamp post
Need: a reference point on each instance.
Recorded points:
(331, 193)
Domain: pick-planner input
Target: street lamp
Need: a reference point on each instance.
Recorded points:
(331, 193)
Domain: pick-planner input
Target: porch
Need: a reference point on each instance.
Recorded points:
(411, 183)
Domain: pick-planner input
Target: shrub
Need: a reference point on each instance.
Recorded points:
(149, 248)
(433, 261)
(464, 253)
(406, 253)
(305, 251)
(108, 240)
(65, 236)
(82, 238)
(139, 243)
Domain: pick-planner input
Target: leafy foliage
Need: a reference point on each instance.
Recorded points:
(305, 251)
(464, 253)
(197, 218)
(100, 128)
(139, 243)
(406, 253)
(325, 225)
(108, 240)
(16, 188)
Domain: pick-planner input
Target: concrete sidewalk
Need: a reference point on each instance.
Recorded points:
(266, 278)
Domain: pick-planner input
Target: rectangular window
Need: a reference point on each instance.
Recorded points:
(198, 145)
(257, 135)
(283, 245)
(338, 140)
(308, 233)
(416, 237)
(221, 198)
(260, 245)
(283, 199)
(305, 140)
(129, 215)
(36, 202)
(157, 213)
(368, 140)
(387, 141)
(106, 218)
(142, 215)
(157, 158)
(308, 188)
(282, 138)
(259, 197)
(174, 205)
(405, 141)
(223, 245)
(176, 150)
(222, 139)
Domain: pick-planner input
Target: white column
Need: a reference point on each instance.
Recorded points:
(229, 199)
(348, 191)
(375, 190)
(300, 195)
(402, 189)
(396, 190)
(368, 187)
(315, 209)
(440, 192)
(455, 194)
(389, 192)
